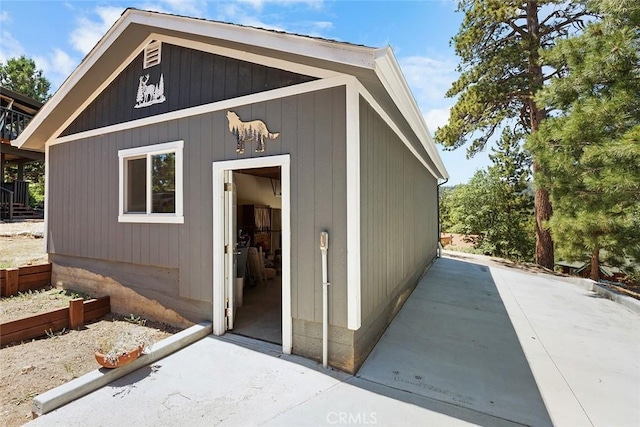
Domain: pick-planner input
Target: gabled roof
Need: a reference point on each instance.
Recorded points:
(376, 69)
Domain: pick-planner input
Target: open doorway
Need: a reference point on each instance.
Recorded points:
(258, 293)
(251, 249)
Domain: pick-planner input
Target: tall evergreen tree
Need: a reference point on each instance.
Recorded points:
(22, 76)
(592, 165)
(499, 44)
(496, 205)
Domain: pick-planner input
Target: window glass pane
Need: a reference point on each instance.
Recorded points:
(163, 184)
(136, 186)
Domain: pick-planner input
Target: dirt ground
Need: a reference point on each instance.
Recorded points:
(22, 243)
(30, 368)
(35, 302)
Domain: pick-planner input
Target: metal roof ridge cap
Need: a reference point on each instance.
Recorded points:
(269, 39)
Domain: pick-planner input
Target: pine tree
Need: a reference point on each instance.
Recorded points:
(592, 165)
(496, 205)
(512, 170)
(22, 76)
(160, 95)
(499, 44)
(140, 92)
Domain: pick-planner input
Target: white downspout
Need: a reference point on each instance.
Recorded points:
(324, 247)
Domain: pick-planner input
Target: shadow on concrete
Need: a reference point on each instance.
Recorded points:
(452, 349)
(134, 377)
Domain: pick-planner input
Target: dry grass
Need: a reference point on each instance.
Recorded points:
(34, 302)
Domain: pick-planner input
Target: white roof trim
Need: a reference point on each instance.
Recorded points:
(394, 127)
(388, 71)
(381, 61)
(225, 104)
(359, 56)
(88, 61)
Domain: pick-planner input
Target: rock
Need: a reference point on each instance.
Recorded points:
(27, 369)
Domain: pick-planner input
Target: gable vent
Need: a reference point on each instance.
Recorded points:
(152, 54)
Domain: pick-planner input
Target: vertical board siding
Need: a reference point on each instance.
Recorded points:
(304, 196)
(398, 211)
(312, 131)
(191, 78)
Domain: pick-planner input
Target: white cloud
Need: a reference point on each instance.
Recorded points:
(239, 13)
(57, 66)
(322, 25)
(9, 47)
(429, 78)
(88, 32)
(255, 4)
(315, 28)
(154, 7)
(194, 8)
(436, 118)
(258, 4)
(250, 13)
(4, 16)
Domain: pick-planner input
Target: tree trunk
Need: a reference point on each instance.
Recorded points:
(595, 264)
(543, 210)
(544, 243)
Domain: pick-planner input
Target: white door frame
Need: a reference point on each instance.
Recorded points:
(284, 161)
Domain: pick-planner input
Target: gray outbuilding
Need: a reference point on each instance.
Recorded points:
(179, 144)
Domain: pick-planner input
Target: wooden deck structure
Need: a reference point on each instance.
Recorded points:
(16, 111)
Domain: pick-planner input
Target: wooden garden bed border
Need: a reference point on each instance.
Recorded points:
(72, 317)
(20, 279)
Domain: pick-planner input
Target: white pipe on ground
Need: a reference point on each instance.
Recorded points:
(324, 247)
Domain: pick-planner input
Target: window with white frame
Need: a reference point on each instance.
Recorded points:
(151, 183)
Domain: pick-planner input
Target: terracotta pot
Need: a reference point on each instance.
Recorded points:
(122, 359)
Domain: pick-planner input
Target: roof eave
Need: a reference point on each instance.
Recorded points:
(353, 55)
(24, 140)
(343, 53)
(388, 71)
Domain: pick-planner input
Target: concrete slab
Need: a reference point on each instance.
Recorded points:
(453, 341)
(593, 344)
(474, 344)
(360, 402)
(59, 396)
(235, 381)
(208, 383)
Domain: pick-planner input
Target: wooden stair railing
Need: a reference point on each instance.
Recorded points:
(6, 203)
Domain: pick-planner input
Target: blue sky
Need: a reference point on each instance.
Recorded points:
(58, 34)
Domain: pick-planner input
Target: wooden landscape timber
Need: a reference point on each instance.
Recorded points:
(21, 279)
(71, 317)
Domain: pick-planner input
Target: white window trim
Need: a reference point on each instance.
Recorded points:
(148, 151)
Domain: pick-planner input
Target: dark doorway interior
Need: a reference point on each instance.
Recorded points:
(259, 289)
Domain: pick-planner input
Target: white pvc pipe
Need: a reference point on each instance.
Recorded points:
(324, 247)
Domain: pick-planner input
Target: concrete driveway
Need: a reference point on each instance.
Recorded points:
(475, 343)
